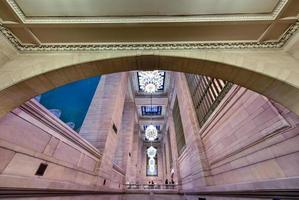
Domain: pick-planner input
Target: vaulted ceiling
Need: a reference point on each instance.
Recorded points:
(37, 23)
(157, 102)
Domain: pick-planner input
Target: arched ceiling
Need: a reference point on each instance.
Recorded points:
(41, 25)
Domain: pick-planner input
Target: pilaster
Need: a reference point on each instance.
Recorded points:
(103, 120)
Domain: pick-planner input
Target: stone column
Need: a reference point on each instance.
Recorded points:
(139, 152)
(125, 138)
(194, 167)
(102, 122)
(167, 150)
(133, 166)
(174, 151)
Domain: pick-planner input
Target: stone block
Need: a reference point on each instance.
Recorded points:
(67, 153)
(88, 163)
(5, 157)
(14, 129)
(289, 164)
(22, 165)
(51, 146)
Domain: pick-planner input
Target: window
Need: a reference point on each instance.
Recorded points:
(151, 110)
(178, 126)
(206, 94)
(157, 127)
(114, 128)
(41, 169)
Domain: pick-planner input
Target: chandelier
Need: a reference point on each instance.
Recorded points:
(151, 81)
(151, 153)
(151, 133)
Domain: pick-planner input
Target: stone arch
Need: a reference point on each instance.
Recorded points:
(25, 87)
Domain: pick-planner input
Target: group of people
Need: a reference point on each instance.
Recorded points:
(166, 182)
(169, 182)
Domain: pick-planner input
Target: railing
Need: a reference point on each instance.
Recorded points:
(278, 194)
(14, 193)
(152, 186)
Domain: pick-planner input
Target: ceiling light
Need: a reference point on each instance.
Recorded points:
(151, 81)
(151, 152)
(151, 133)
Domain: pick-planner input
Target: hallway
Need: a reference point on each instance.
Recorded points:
(139, 99)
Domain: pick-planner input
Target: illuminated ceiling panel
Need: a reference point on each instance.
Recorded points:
(151, 110)
(151, 81)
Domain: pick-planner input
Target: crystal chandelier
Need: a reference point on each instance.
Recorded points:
(151, 153)
(151, 133)
(151, 81)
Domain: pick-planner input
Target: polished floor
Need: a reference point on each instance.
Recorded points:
(137, 197)
(120, 197)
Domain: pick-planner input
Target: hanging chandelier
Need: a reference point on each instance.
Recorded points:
(151, 81)
(151, 133)
(151, 153)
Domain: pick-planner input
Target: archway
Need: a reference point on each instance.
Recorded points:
(23, 89)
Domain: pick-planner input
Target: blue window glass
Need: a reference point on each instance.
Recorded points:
(157, 127)
(151, 110)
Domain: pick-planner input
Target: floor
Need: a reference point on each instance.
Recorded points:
(135, 197)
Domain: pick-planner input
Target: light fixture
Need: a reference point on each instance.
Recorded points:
(152, 168)
(151, 153)
(151, 133)
(151, 161)
(151, 81)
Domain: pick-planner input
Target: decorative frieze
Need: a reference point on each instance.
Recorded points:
(150, 45)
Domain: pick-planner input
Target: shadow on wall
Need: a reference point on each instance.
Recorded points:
(70, 102)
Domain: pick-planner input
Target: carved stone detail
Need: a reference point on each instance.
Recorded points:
(148, 46)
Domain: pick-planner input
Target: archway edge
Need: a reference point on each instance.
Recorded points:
(259, 71)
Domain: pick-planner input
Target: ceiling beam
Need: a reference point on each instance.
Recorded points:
(270, 28)
(148, 101)
(154, 121)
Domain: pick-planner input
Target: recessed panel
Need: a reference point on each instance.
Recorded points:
(212, 32)
(87, 8)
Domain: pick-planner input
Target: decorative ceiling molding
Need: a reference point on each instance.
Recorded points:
(149, 46)
(146, 19)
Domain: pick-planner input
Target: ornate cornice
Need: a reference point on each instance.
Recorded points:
(146, 19)
(148, 46)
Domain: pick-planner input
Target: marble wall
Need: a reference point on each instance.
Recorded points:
(249, 142)
(31, 135)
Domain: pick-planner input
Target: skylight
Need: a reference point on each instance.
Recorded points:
(151, 110)
(151, 81)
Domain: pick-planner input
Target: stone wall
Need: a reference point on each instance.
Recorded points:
(7, 51)
(248, 143)
(192, 164)
(249, 140)
(133, 167)
(31, 135)
(102, 125)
